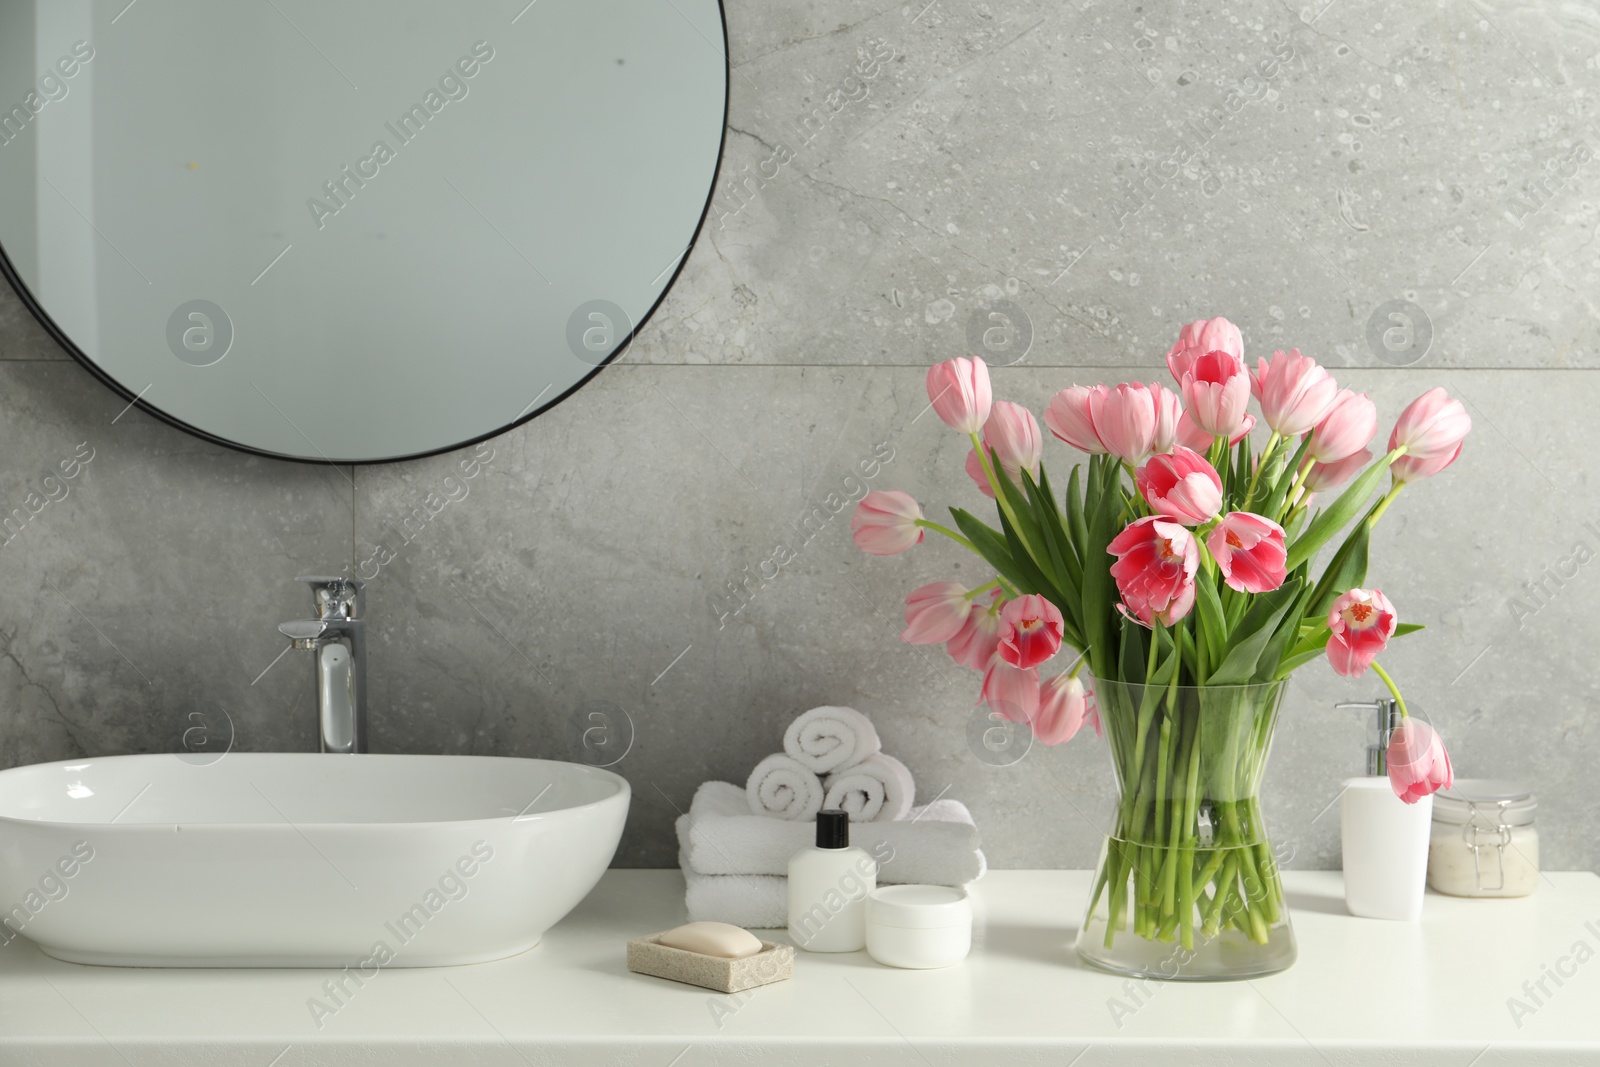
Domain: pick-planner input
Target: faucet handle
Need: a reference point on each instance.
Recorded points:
(303, 633)
(336, 596)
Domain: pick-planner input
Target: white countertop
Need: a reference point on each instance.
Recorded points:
(1363, 992)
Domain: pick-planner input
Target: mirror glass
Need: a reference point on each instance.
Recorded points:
(353, 232)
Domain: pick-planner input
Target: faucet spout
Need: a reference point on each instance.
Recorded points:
(337, 636)
(336, 698)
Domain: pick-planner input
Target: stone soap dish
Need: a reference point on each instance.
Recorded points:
(774, 963)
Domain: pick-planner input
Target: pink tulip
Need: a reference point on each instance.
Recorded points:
(885, 523)
(1294, 390)
(960, 392)
(1346, 429)
(1013, 433)
(1192, 436)
(1431, 426)
(1418, 763)
(974, 646)
(1169, 410)
(1155, 568)
(1181, 486)
(1216, 391)
(1200, 337)
(1012, 692)
(1332, 475)
(1030, 631)
(1410, 468)
(1125, 420)
(935, 613)
(1361, 621)
(1068, 417)
(1249, 551)
(1064, 704)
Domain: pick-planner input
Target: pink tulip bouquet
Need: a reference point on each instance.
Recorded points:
(1200, 556)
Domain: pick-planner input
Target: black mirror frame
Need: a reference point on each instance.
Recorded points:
(9, 271)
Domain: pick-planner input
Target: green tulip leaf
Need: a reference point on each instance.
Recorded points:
(1252, 634)
(1209, 606)
(1338, 515)
(992, 546)
(1075, 522)
(1294, 662)
(1347, 570)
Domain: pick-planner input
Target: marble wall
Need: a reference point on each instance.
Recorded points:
(1406, 192)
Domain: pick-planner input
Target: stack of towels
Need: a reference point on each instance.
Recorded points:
(735, 843)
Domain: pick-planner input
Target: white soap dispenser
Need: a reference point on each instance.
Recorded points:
(828, 887)
(1384, 840)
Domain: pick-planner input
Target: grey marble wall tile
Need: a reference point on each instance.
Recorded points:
(592, 567)
(602, 587)
(147, 587)
(1110, 170)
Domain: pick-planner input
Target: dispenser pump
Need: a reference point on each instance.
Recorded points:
(1387, 715)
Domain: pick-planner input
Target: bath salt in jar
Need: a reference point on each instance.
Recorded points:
(1484, 842)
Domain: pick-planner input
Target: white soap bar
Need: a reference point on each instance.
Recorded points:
(712, 939)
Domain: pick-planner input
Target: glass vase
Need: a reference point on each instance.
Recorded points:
(1187, 887)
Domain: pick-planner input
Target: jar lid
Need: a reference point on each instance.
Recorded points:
(918, 907)
(1490, 801)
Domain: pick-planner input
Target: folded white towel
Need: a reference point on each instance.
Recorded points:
(755, 901)
(936, 845)
(878, 789)
(782, 788)
(830, 739)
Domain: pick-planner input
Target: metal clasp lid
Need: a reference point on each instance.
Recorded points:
(1488, 811)
(1476, 828)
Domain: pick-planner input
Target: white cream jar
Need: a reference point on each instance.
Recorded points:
(919, 926)
(1484, 842)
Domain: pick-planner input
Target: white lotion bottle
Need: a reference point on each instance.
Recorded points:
(828, 888)
(1383, 839)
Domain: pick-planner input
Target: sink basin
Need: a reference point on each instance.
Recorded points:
(300, 859)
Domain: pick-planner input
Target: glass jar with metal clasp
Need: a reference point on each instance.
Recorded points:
(1484, 842)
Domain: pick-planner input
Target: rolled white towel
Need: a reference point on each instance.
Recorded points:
(781, 787)
(878, 789)
(831, 739)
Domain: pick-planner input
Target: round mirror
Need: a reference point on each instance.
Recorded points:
(353, 232)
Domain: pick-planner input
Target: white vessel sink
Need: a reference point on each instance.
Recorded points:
(300, 859)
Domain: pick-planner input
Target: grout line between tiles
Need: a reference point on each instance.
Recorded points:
(1130, 368)
(1031, 366)
(354, 470)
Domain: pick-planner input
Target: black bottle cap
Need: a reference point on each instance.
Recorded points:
(833, 828)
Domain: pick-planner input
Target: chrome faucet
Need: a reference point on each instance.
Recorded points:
(338, 637)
